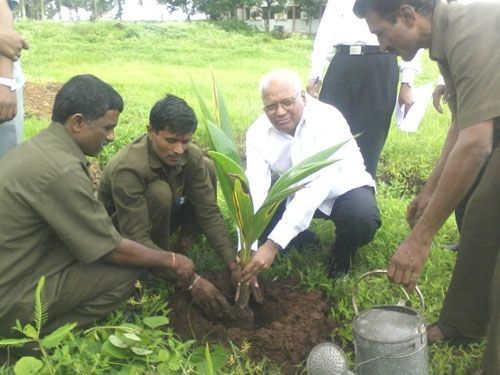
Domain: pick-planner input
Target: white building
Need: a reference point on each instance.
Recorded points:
(293, 19)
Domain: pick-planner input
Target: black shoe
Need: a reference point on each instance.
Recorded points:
(305, 239)
(337, 269)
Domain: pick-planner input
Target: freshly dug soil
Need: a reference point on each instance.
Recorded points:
(288, 324)
(39, 98)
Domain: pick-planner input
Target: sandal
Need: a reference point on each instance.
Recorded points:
(450, 335)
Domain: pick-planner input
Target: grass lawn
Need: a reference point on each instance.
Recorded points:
(145, 61)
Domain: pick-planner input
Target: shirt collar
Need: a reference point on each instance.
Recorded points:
(59, 130)
(439, 25)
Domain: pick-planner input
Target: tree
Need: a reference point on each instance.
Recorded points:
(272, 7)
(188, 7)
(220, 9)
(312, 9)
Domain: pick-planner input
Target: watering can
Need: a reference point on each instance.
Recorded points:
(390, 339)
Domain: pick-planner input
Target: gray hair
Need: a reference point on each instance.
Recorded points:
(283, 75)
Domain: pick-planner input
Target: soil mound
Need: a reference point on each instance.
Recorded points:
(288, 324)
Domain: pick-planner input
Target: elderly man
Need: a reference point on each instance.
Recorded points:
(463, 40)
(52, 224)
(161, 181)
(293, 127)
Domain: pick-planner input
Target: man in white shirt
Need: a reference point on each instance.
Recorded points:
(361, 80)
(293, 127)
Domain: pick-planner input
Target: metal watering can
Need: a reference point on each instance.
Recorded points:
(390, 339)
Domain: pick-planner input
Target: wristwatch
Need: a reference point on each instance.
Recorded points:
(9, 82)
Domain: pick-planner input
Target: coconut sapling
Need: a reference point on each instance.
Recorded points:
(235, 187)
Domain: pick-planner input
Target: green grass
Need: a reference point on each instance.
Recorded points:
(144, 61)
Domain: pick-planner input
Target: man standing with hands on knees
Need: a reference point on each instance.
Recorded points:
(463, 40)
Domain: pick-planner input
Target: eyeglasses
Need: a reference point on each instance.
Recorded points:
(286, 104)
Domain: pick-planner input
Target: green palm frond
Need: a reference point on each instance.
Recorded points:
(222, 113)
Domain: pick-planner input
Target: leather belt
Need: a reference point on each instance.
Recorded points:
(343, 49)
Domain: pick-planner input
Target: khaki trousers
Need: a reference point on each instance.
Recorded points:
(491, 364)
(467, 303)
(81, 293)
(166, 215)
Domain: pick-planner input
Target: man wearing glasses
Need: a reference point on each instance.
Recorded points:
(293, 127)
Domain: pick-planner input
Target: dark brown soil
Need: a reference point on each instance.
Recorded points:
(39, 98)
(38, 102)
(288, 324)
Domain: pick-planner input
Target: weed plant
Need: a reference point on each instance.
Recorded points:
(146, 60)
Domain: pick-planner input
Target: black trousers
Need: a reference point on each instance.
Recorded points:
(356, 218)
(364, 89)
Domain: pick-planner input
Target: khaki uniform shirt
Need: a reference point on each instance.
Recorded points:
(131, 170)
(49, 215)
(466, 45)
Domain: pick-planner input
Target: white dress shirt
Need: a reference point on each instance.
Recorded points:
(339, 25)
(269, 150)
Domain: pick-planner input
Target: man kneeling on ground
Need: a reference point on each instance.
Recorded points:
(293, 127)
(52, 224)
(161, 182)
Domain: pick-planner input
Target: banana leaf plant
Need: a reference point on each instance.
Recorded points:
(234, 184)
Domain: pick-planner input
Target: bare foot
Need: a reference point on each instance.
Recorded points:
(434, 334)
(185, 243)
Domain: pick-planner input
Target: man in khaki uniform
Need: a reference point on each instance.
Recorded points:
(463, 40)
(52, 225)
(161, 181)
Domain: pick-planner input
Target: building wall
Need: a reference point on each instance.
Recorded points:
(301, 25)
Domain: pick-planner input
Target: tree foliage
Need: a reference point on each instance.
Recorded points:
(311, 7)
(42, 9)
(188, 7)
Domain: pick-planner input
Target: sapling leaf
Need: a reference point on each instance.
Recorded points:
(163, 355)
(40, 306)
(208, 359)
(53, 339)
(175, 363)
(222, 113)
(141, 351)
(132, 336)
(13, 342)
(30, 331)
(244, 209)
(114, 351)
(206, 113)
(154, 322)
(117, 341)
(28, 366)
(222, 143)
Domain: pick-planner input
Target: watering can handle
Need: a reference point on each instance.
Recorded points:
(382, 272)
